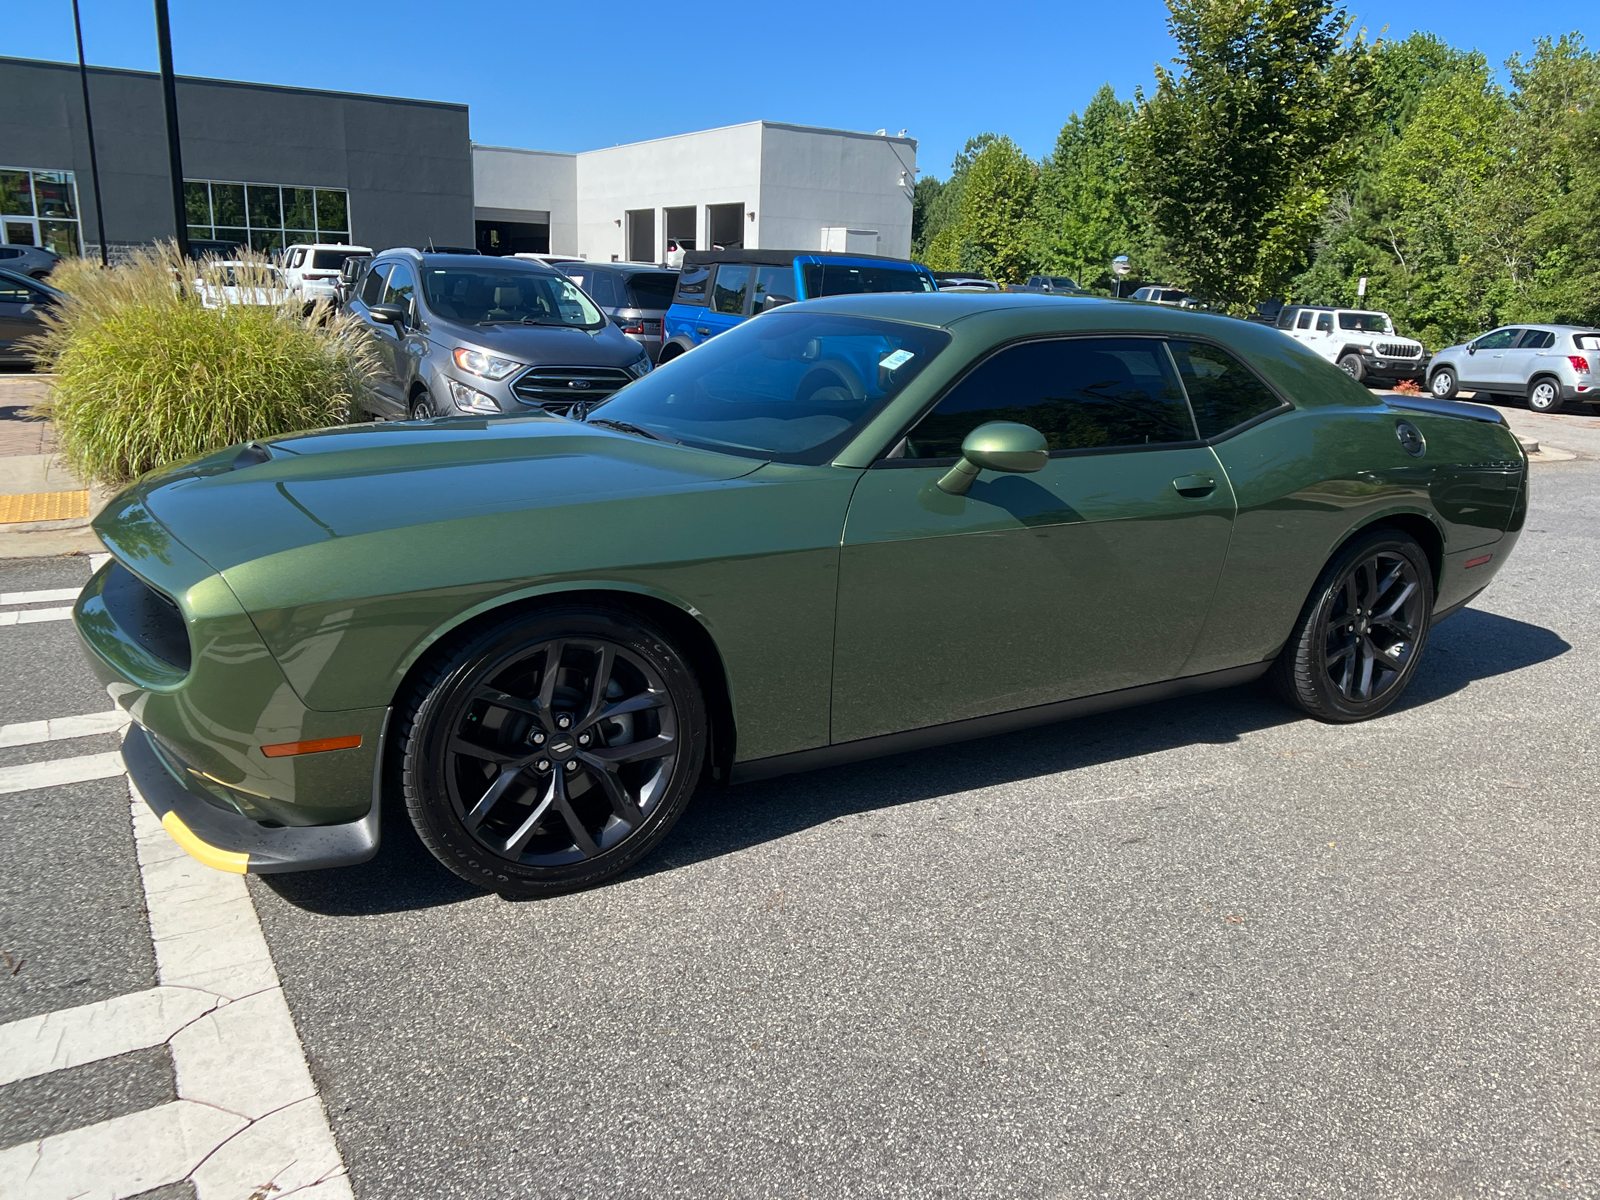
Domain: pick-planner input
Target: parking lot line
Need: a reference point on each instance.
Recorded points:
(27, 776)
(70, 1037)
(44, 597)
(57, 729)
(29, 616)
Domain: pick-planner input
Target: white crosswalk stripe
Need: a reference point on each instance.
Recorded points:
(28, 776)
(30, 616)
(48, 596)
(28, 733)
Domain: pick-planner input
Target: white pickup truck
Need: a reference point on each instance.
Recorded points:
(1362, 343)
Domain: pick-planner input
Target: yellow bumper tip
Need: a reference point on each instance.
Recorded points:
(234, 861)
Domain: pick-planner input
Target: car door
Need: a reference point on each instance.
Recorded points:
(1484, 366)
(1523, 359)
(384, 396)
(729, 300)
(1091, 575)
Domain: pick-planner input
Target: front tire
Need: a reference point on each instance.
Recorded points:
(1444, 384)
(1352, 366)
(1545, 396)
(1362, 632)
(422, 407)
(552, 751)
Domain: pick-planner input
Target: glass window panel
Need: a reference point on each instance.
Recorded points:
(266, 240)
(227, 204)
(197, 202)
(1500, 339)
(299, 208)
(730, 289)
(239, 237)
(295, 237)
(265, 212)
(20, 233)
(60, 236)
(402, 286)
(199, 233)
(53, 192)
(1081, 393)
(372, 286)
(774, 287)
(333, 210)
(337, 239)
(16, 194)
(1222, 390)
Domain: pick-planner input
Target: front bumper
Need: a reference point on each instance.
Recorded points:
(1396, 368)
(231, 842)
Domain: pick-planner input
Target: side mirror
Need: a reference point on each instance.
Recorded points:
(389, 314)
(998, 446)
(1472, 347)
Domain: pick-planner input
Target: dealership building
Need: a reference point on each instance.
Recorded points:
(270, 166)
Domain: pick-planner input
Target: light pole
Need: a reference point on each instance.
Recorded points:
(88, 124)
(169, 93)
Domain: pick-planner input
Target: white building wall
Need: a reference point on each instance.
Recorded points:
(507, 181)
(812, 179)
(718, 166)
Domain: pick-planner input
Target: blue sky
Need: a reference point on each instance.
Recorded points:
(575, 76)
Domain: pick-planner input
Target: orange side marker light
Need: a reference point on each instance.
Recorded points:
(1478, 562)
(285, 749)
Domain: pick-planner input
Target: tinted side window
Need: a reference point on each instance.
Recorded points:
(372, 285)
(603, 290)
(402, 287)
(1324, 322)
(1537, 339)
(774, 286)
(1305, 321)
(1222, 391)
(1500, 339)
(1081, 393)
(692, 285)
(728, 293)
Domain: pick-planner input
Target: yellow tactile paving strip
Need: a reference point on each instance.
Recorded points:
(44, 506)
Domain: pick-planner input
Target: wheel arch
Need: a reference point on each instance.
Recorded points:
(674, 348)
(680, 620)
(1418, 525)
(1534, 379)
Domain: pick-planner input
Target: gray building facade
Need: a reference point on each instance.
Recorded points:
(263, 165)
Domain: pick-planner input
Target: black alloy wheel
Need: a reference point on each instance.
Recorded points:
(421, 406)
(1362, 632)
(1444, 384)
(550, 753)
(1352, 366)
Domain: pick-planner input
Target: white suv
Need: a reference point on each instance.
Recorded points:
(1362, 343)
(312, 271)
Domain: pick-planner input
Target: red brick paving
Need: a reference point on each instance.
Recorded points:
(19, 433)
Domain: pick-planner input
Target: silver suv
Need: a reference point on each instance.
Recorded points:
(635, 297)
(1547, 365)
(459, 334)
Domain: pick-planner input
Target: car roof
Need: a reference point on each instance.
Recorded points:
(946, 308)
(29, 281)
(529, 265)
(783, 258)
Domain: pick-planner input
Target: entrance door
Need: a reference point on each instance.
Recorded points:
(1092, 575)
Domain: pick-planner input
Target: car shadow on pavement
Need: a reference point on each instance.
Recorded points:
(1472, 645)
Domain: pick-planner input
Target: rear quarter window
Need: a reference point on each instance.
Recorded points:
(1223, 392)
(692, 285)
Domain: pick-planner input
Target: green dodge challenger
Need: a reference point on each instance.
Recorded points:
(846, 528)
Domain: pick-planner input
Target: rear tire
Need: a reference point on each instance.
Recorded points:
(1444, 384)
(1362, 631)
(1545, 395)
(1352, 366)
(531, 783)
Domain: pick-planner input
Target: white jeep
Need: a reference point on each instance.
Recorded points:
(1361, 343)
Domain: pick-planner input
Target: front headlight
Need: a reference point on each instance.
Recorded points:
(476, 362)
(641, 368)
(471, 400)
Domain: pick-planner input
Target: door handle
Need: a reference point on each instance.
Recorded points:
(703, 331)
(1194, 486)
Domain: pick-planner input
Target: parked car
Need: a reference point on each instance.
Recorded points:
(676, 249)
(1546, 365)
(552, 260)
(485, 335)
(856, 526)
(718, 289)
(1161, 293)
(36, 262)
(1361, 342)
(965, 281)
(1059, 284)
(313, 270)
(350, 273)
(635, 297)
(235, 281)
(23, 301)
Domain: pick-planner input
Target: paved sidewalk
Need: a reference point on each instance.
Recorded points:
(44, 508)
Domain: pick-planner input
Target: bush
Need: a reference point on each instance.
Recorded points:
(147, 374)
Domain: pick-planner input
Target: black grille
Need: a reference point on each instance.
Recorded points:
(559, 388)
(1398, 350)
(145, 615)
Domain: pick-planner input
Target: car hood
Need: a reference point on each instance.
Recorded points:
(541, 344)
(238, 506)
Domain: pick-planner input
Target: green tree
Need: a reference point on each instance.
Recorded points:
(936, 205)
(1237, 153)
(995, 230)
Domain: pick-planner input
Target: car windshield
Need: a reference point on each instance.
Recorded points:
(792, 386)
(1061, 281)
(1365, 322)
(651, 289)
(491, 295)
(332, 260)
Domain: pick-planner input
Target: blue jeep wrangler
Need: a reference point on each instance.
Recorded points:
(719, 288)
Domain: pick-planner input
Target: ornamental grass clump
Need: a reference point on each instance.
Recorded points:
(153, 368)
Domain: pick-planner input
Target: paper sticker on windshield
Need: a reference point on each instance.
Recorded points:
(896, 360)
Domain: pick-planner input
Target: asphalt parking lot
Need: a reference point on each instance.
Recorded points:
(1205, 948)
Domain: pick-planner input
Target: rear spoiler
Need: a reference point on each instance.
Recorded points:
(1448, 408)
